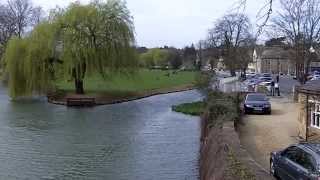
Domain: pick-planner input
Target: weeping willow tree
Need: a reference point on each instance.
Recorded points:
(75, 42)
(30, 61)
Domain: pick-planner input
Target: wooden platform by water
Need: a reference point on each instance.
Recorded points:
(81, 102)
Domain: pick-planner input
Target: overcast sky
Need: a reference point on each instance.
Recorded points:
(172, 22)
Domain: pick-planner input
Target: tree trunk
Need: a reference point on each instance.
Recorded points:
(79, 86)
(78, 78)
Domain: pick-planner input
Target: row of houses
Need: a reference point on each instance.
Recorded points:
(277, 60)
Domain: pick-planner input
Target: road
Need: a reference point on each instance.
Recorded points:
(286, 84)
(262, 134)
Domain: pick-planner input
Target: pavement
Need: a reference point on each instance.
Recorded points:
(287, 83)
(262, 134)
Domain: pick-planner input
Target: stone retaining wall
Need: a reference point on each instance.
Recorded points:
(222, 157)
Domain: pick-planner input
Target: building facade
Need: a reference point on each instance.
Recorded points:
(275, 60)
(309, 115)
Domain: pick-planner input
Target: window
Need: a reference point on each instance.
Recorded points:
(291, 153)
(315, 116)
(300, 157)
(307, 161)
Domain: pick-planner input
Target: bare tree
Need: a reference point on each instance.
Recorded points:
(208, 52)
(23, 14)
(7, 26)
(263, 15)
(299, 22)
(37, 15)
(230, 33)
(245, 53)
(15, 17)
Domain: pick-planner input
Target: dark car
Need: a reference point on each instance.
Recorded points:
(265, 79)
(257, 103)
(267, 75)
(301, 161)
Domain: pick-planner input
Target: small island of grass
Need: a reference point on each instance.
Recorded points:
(194, 109)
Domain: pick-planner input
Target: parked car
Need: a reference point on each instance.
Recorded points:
(265, 79)
(301, 161)
(251, 81)
(315, 77)
(266, 84)
(250, 76)
(267, 75)
(257, 103)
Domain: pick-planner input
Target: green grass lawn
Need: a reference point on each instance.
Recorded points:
(143, 80)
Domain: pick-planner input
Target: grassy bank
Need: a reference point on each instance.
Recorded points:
(124, 88)
(194, 109)
(143, 80)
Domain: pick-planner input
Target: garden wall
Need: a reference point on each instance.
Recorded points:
(222, 156)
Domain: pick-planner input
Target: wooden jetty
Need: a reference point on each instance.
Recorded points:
(81, 101)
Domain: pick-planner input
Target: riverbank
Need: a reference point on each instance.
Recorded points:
(144, 83)
(114, 98)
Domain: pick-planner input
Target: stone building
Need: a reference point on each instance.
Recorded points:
(278, 59)
(309, 116)
(275, 59)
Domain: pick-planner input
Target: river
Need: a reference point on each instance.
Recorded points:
(136, 140)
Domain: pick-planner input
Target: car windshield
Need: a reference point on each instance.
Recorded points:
(256, 97)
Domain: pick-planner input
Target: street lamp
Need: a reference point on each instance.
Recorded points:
(312, 51)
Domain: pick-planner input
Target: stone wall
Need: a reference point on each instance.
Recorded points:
(313, 133)
(222, 157)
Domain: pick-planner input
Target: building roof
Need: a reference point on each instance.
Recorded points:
(275, 53)
(311, 87)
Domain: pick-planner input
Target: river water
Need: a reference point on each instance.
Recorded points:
(137, 140)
